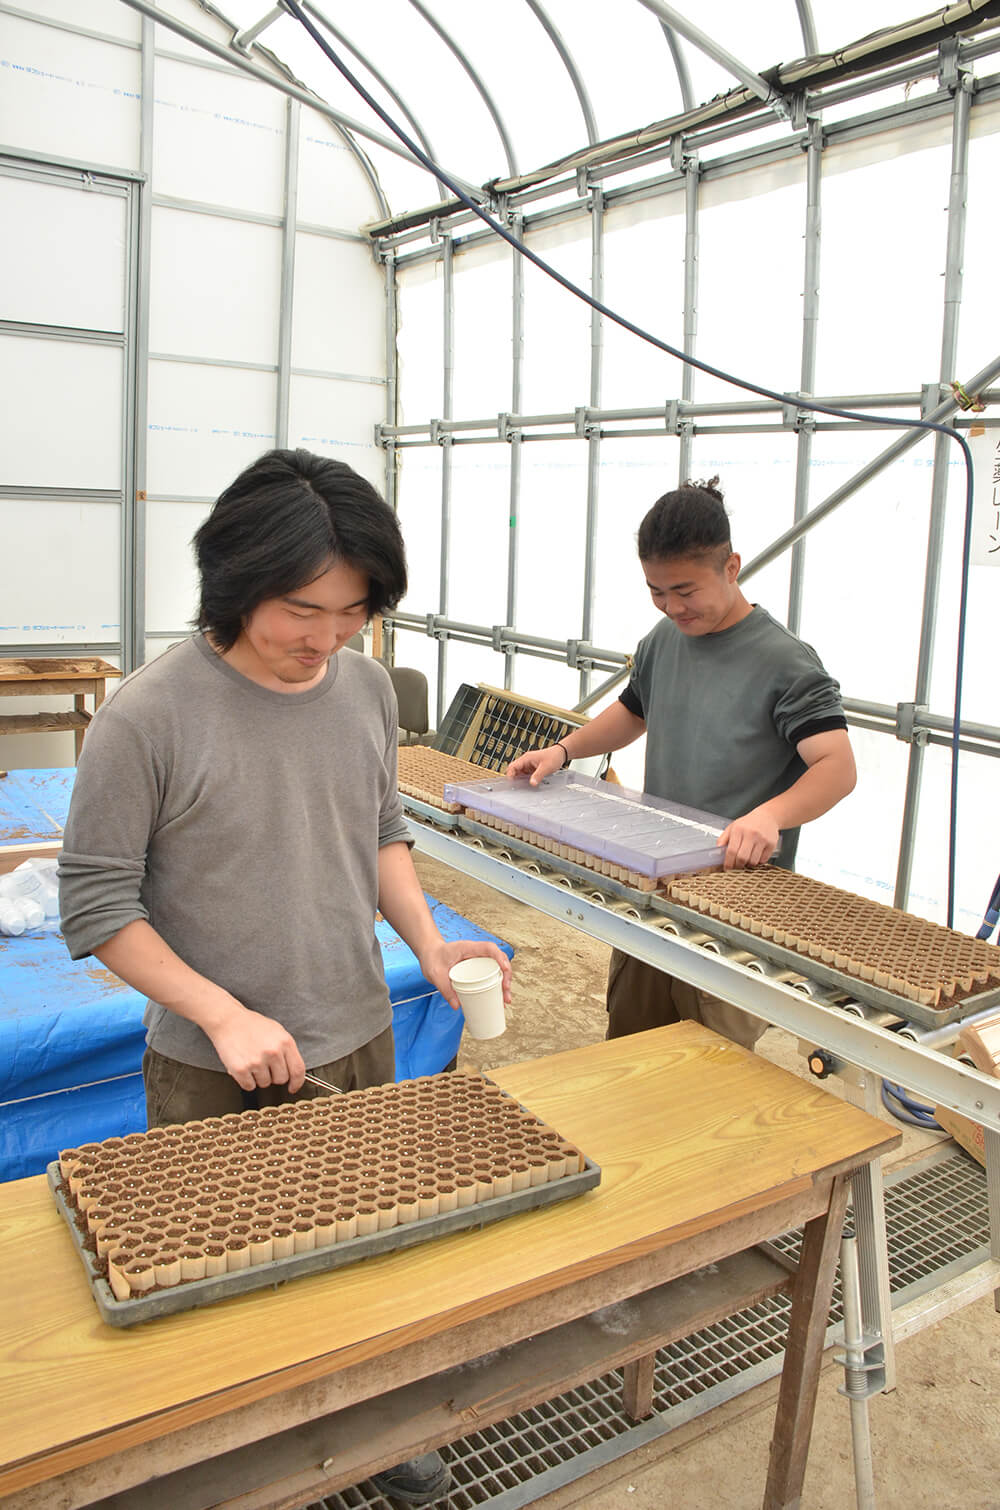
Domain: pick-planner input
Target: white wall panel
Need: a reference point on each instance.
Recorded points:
(205, 425)
(480, 534)
(68, 95)
(750, 276)
(339, 419)
(107, 16)
(881, 284)
(60, 413)
(633, 475)
(643, 280)
(419, 342)
(483, 344)
(171, 574)
(218, 139)
(214, 287)
(557, 323)
(67, 591)
(551, 538)
(419, 509)
(65, 265)
(338, 312)
(333, 189)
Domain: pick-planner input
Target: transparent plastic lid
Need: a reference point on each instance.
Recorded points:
(646, 834)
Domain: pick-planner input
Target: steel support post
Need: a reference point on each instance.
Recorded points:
(692, 174)
(991, 1144)
(516, 373)
(862, 1088)
(136, 376)
(593, 431)
(391, 416)
(939, 484)
(293, 114)
(807, 370)
(447, 399)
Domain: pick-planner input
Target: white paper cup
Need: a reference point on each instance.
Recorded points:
(479, 986)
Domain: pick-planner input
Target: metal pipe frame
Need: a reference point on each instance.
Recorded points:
(514, 438)
(685, 427)
(592, 433)
(566, 58)
(807, 369)
(447, 390)
(714, 50)
(939, 483)
(133, 630)
(477, 82)
(293, 116)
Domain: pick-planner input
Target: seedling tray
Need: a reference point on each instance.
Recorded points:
(640, 900)
(202, 1292)
(827, 975)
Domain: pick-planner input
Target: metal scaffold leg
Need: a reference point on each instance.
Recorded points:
(862, 1377)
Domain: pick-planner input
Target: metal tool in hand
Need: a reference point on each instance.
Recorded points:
(323, 1084)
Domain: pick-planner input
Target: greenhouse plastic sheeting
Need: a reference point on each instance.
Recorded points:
(71, 1041)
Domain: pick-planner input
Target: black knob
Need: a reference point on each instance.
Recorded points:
(822, 1063)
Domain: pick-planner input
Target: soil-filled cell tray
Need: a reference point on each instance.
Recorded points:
(183, 1216)
(424, 772)
(921, 971)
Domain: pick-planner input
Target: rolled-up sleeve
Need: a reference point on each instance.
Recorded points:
(116, 797)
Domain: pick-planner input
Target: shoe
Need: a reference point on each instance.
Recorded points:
(418, 1481)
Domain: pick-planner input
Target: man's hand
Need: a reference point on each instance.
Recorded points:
(257, 1051)
(439, 957)
(537, 763)
(750, 840)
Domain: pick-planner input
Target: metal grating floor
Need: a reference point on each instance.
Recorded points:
(937, 1223)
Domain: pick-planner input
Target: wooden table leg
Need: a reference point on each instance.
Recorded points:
(803, 1352)
(80, 704)
(637, 1387)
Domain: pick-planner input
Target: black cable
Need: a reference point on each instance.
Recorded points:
(295, 9)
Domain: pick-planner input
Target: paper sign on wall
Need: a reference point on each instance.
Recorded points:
(985, 446)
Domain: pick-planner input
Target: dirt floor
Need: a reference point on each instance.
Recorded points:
(936, 1437)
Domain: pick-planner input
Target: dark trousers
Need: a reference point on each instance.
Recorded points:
(178, 1092)
(641, 997)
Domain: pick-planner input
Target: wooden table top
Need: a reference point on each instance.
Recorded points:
(688, 1128)
(56, 668)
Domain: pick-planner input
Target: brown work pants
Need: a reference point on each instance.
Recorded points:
(641, 997)
(178, 1092)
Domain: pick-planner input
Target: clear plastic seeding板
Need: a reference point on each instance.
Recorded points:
(644, 835)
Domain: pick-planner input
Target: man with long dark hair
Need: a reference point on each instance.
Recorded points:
(740, 718)
(235, 820)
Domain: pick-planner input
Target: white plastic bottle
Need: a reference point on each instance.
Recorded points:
(12, 924)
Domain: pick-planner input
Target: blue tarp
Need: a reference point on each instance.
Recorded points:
(71, 1040)
(34, 804)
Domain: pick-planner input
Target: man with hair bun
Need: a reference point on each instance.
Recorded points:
(740, 718)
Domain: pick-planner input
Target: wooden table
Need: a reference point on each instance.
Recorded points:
(706, 1151)
(79, 677)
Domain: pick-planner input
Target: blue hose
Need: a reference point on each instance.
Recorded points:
(905, 1109)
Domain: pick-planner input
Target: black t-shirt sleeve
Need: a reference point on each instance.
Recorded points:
(630, 699)
(817, 726)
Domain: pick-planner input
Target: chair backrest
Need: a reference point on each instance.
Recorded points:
(411, 695)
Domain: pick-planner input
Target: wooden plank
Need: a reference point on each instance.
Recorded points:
(53, 668)
(637, 1389)
(338, 1450)
(803, 1353)
(42, 723)
(298, 1402)
(691, 1132)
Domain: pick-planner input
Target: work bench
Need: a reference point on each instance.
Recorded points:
(78, 677)
(707, 1152)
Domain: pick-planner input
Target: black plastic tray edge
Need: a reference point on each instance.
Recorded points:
(813, 969)
(199, 1292)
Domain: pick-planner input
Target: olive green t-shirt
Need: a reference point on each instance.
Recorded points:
(724, 713)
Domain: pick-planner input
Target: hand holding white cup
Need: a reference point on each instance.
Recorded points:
(478, 985)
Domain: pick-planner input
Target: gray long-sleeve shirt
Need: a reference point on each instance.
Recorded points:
(244, 825)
